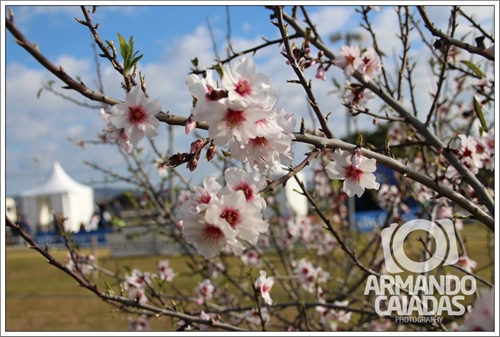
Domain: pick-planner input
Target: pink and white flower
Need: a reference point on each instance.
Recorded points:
(371, 63)
(349, 59)
(246, 221)
(245, 85)
(137, 115)
(209, 233)
(164, 271)
(161, 166)
(206, 291)
(308, 275)
(231, 120)
(251, 258)
(139, 324)
(482, 317)
(252, 316)
(466, 263)
(263, 285)
(357, 95)
(116, 134)
(356, 170)
(250, 184)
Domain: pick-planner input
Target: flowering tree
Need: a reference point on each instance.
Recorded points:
(300, 273)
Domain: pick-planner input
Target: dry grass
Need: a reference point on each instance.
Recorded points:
(40, 297)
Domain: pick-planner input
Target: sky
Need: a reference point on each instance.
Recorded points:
(168, 36)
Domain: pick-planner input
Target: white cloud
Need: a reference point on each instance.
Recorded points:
(331, 19)
(42, 126)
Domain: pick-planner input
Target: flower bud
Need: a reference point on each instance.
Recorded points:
(211, 152)
(196, 146)
(190, 124)
(356, 159)
(192, 164)
(321, 53)
(176, 159)
(321, 74)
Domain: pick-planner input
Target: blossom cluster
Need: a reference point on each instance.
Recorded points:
(308, 275)
(130, 121)
(368, 63)
(84, 263)
(241, 114)
(311, 234)
(214, 217)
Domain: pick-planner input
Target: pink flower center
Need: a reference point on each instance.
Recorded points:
(247, 190)
(350, 59)
(265, 288)
(467, 152)
(235, 118)
(244, 87)
(479, 148)
(212, 234)
(137, 114)
(353, 174)
(259, 142)
(204, 198)
(231, 216)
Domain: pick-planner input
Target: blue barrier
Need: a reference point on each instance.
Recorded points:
(82, 239)
(367, 221)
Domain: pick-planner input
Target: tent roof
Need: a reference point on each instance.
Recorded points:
(59, 182)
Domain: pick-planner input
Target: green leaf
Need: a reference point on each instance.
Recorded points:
(110, 44)
(131, 43)
(480, 115)
(473, 68)
(135, 60)
(109, 290)
(194, 62)
(218, 69)
(39, 93)
(124, 51)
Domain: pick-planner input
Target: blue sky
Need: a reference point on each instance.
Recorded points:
(169, 37)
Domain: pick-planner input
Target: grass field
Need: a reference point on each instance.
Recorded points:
(39, 297)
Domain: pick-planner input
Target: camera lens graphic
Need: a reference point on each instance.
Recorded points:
(394, 238)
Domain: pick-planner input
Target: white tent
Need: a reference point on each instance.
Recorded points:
(62, 195)
(290, 202)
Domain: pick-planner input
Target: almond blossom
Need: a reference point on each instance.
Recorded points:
(226, 121)
(349, 59)
(466, 263)
(482, 315)
(246, 221)
(263, 285)
(164, 271)
(245, 85)
(139, 324)
(308, 275)
(203, 90)
(357, 95)
(205, 290)
(251, 183)
(137, 115)
(251, 258)
(136, 283)
(371, 63)
(209, 233)
(116, 134)
(356, 170)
